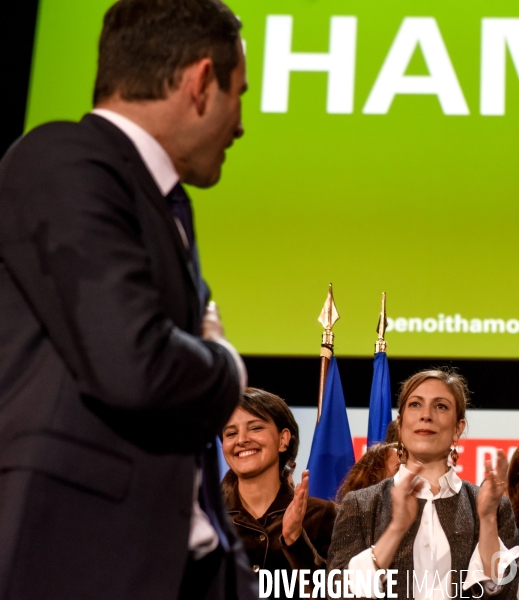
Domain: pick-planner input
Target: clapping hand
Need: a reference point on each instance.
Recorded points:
(295, 513)
(405, 510)
(493, 487)
(405, 505)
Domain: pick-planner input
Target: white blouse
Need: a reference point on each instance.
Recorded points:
(431, 550)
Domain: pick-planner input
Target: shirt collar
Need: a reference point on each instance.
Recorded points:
(280, 502)
(154, 156)
(450, 483)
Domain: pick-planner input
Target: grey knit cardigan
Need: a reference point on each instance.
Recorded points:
(364, 515)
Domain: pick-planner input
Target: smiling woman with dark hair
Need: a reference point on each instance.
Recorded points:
(279, 527)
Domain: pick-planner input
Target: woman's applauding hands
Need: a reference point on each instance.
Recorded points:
(295, 512)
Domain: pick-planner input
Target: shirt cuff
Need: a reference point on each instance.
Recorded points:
(237, 359)
(203, 538)
(476, 574)
(363, 562)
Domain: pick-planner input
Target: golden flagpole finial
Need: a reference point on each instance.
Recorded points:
(381, 344)
(328, 317)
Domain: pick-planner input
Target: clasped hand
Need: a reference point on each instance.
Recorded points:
(212, 328)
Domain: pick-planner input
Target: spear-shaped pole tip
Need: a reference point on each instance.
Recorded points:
(381, 344)
(329, 315)
(327, 318)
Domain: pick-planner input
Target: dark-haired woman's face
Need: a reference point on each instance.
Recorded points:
(251, 445)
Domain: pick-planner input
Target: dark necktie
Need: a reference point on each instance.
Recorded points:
(181, 206)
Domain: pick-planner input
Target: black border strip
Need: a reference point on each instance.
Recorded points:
(17, 33)
(494, 383)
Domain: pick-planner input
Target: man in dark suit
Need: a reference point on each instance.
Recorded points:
(115, 374)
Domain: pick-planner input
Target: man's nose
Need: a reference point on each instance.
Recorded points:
(239, 131)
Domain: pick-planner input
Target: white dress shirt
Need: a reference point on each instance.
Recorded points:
(155, 158)
(202, 536)
(431, 549)
(163, 171)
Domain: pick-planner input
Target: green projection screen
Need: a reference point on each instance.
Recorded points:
(380, 154)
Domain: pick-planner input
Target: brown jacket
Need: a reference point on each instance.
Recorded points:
(365, 514)
(262, 538)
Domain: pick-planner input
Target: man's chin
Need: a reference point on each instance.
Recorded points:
(203, 180)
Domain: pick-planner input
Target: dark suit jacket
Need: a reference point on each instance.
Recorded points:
(107, 394)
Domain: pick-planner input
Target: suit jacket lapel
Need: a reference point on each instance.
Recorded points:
(147, 184)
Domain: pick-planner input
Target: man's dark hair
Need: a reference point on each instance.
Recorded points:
(145, 45)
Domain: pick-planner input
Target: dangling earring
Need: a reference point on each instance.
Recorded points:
(400, 453)
(454, 455)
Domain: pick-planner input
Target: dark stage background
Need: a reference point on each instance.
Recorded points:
(16, 45)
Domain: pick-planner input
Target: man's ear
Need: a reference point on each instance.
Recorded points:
(202, 76)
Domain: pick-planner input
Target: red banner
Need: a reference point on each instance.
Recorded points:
(473, 454)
